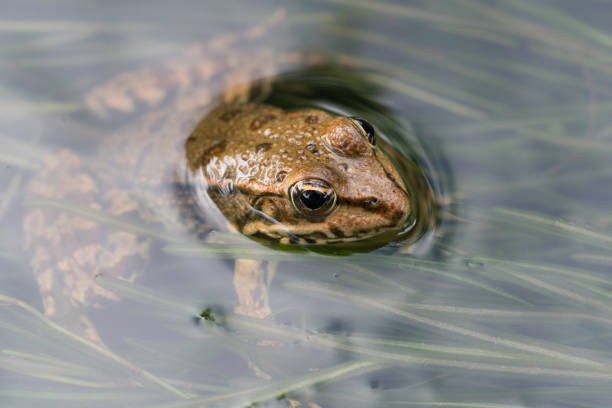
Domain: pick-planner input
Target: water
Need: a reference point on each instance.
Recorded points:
(502, 297)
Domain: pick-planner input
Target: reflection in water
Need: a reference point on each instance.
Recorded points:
(501, 288)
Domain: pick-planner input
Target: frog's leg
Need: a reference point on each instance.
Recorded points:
(67, 248)
(198, 65)
(251, 283)
(252, 280)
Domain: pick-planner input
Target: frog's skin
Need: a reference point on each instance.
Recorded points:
(245, 157)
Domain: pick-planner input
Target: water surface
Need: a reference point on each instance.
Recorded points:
(502, 301)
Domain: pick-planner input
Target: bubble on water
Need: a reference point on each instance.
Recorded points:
(472, 264)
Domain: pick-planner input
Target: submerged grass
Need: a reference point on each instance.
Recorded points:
(422, 354)
(98, 348)
(512, 301)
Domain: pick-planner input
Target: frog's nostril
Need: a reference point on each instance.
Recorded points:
(371, 202)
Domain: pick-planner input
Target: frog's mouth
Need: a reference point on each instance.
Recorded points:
(271, 230)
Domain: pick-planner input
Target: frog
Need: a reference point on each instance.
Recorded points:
(303, 177)
(308, 178)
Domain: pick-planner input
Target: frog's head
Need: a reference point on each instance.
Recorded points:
(347, 191)
(303, 177)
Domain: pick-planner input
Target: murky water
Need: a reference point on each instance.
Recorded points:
(498, 297)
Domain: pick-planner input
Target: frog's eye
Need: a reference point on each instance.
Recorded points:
(312, 197)
(366, 129)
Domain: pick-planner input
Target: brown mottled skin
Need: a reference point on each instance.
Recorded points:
(249, 156)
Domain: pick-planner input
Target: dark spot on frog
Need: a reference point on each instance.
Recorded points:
(280, 176)
(343, 166)
(312, 119)
(262, 147)
(268, 206)
(374, 205)
(229, 114)
(213, 151)
(312, 148)
(258, 122)
(337, 232)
